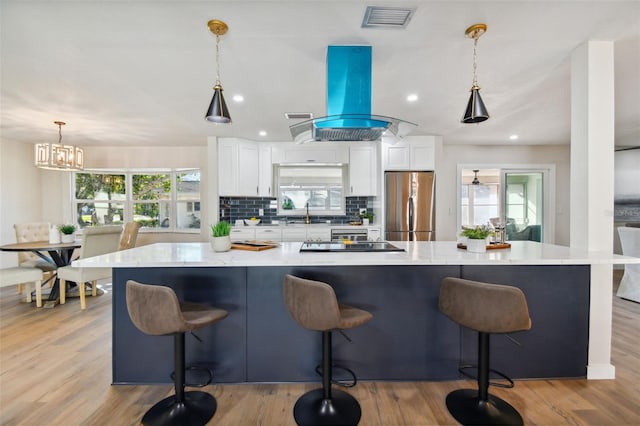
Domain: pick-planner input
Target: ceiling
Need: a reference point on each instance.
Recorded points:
(140, 73)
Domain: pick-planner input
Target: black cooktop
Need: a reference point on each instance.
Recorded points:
(350, 246)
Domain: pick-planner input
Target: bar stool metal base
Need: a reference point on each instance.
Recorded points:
(467, 408)
(196, 409)
(312, 409)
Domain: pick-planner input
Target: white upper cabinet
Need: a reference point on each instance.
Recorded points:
(265, 182)
(238, 168)
(319, 152)
(362, 169)
(412, 153)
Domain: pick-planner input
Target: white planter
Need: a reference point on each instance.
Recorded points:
(67, 238)
(221, 243)
(476, 246)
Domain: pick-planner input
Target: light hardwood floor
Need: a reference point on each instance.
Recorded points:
(55, 369)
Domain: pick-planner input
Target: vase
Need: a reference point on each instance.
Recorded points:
(220, 244)
(476, 246)
(67, 238)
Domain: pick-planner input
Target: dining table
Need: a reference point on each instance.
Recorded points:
(58, 254)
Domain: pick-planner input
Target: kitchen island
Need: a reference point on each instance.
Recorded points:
(407, 339)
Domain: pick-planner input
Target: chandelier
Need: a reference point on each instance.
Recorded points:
(56, 156)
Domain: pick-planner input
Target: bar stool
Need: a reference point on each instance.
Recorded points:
(155, 310)
(314, 306)
(487, 309)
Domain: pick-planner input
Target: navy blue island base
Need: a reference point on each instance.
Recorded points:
(407, 339)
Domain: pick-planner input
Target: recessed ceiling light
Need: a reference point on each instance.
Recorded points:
(513, 137)
(238, 98)
(262, 133)
(412, 97)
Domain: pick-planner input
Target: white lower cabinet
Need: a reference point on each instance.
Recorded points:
(294, 234)
(319, 234)
(374, 234)
(269, 234)
(242, 234)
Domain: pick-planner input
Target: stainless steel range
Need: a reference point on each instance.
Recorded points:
(349, 246)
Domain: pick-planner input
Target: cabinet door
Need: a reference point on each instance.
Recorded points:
(373, 234)
(362, 170)
(397, 157)
(228, 168)
(294, 234)
(266, 172)
(242, 234)
(269, 234)
(319, 234)
(422, 156)
(248, 170)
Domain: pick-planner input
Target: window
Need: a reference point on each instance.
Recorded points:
(162, 200)
(318, 187)
(479, 203)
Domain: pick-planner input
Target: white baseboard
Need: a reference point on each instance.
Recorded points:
(601, 372)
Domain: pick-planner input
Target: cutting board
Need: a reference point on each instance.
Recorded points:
(492, 246)
(253, 245)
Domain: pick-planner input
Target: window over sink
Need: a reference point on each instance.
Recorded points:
(318, 187)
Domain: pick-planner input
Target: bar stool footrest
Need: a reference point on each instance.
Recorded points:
(508, 385)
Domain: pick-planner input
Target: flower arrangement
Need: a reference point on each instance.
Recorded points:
(221, 229)
(67, 229)
(477, 233)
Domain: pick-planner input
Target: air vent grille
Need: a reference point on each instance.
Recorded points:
(298, 115)
(387, 17)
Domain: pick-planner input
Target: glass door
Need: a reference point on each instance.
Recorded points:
(524, 204)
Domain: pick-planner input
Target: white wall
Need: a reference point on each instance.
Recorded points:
(452, 155)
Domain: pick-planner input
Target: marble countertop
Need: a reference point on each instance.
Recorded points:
(287, 253)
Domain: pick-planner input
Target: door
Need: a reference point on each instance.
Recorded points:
(524, 204)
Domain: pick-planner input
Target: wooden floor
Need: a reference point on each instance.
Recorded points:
(55, 369)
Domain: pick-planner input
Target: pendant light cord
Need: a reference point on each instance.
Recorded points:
(217, 60)
(475, 76)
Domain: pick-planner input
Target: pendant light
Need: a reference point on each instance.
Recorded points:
(476, 112)
(56, 156)
(475, 180)
(218, 112)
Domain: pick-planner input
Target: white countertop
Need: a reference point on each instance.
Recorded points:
(287, 254)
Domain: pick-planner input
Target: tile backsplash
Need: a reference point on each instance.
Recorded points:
(232, 208)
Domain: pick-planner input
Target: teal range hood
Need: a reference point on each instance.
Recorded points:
(349, 115)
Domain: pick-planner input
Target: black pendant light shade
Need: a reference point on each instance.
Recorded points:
(476, 112)
(218, 111)
(475, 176)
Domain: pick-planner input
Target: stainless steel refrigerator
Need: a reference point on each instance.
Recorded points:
(410, 206)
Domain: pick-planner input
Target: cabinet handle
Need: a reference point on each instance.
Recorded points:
(257, 190)
(352, 189)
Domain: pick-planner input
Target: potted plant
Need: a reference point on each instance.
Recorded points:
(477, 238)
(221, 236)
(67, 233)
(367, 218)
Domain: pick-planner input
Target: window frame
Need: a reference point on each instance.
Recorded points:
(129, 201)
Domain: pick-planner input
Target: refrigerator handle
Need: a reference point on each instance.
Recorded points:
(410, 209)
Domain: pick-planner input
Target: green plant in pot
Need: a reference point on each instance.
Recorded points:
(67, 233)
(221, 233)
(477, 238)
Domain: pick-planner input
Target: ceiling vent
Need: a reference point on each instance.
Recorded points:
(298, 115)
(387, 17)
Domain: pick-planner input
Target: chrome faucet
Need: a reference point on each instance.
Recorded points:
(307, 220)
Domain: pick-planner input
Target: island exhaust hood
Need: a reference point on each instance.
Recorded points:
(349, 115)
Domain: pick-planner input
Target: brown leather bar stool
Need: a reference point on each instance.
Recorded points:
(156, 311)
(313, 305)
(487, 309)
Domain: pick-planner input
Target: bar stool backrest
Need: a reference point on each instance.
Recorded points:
(312, 304)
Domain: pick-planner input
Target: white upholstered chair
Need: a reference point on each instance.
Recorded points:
(20, 275)
(95, 241)
(630, 283)
(27, 233)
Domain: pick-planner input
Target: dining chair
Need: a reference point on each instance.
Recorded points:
(27, 233)
(129, 235)
(22, 275)
(95, 241)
